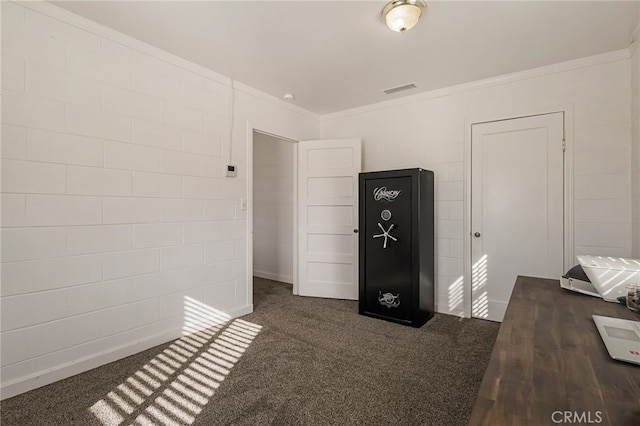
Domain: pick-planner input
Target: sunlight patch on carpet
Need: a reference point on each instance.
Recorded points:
(173, 388)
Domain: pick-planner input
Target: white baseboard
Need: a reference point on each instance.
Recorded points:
(241, 311)
(441, 306)
(271, 276)
(64, 371)
(45, 377)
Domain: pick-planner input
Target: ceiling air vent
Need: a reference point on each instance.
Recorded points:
(400, 88)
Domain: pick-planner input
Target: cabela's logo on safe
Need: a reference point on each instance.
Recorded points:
(383, 193)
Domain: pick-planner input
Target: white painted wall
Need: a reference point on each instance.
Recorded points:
(429, 131)
(114, 201)
(114, 204)
(635, 150)
(273, 208)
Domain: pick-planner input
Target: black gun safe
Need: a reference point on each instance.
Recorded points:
(396, 245)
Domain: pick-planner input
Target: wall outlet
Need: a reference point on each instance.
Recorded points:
(231, 171)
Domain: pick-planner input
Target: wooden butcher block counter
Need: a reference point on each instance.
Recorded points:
(549, 364)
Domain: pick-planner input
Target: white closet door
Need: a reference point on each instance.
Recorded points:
(517, 219)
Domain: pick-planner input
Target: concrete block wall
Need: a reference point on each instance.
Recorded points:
(114, 202)
(115, 207)
(430, 131)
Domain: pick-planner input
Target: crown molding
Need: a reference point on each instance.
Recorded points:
(250, 90)
(135, 44)
(100, 30)
(590, 61)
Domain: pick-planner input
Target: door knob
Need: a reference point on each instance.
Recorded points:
(355, 231)
(477, 235)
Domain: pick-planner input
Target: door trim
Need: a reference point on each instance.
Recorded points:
(250, 130)
(568, 113)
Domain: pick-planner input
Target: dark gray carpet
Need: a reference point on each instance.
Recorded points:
(313, 362)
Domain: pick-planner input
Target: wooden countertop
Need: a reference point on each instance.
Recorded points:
(549, 357)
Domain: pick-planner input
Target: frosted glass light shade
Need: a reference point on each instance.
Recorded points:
(402, 15)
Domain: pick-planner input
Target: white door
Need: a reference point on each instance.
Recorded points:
(327, 217)
(517, 213)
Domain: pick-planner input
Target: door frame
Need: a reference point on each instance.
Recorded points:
(568, 114)
(250, 130)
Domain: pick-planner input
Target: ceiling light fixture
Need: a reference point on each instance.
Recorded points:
(402, 15)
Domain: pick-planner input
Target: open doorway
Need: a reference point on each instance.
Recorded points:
(274, 209)
(303, 214)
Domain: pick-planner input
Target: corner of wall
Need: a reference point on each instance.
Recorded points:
(121, 186)
(635, 145)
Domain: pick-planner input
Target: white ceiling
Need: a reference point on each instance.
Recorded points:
(335, 55)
